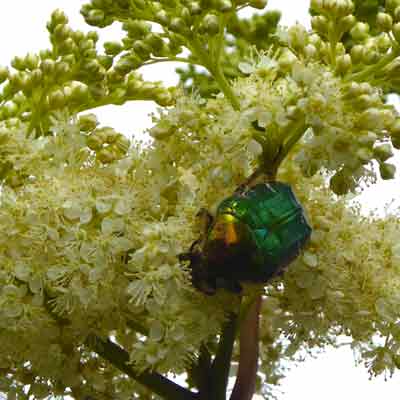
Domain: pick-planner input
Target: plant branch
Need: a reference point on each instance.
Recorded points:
(119, 358)
(248, 362)
(222, 361)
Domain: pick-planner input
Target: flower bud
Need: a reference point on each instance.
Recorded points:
(162, 17)
(61, 69)
(346, 23)
(384, 22)
(194, 8)
(31, 61)
(18, 63)
(56, 99)
(364, 155)
(106, 155)
(62, 32)
(383, 152)
(396, 14)
(368, 139)
(342, 8)
(178, 25)
(36, 76)
(95, 17)
(360, 31)
(141, 49)
(396, 31)
(136, 28)
(224, 5)
(343, 64)
(387, 170)
(357, 53)
(259, 4)
(320, 24)
(383, 42)
(58, 17)
(88, 122)
(317, 5)
(210, 24)
(370, 55)
(310, 51)
(154, 41)
(122, 144)
(297, 36)
(112, 48)
(340, 183)
(4, 73)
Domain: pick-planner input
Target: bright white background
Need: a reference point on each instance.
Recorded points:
(332, 375)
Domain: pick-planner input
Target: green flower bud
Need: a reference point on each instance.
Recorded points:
(111, 134)
(4, 73)
(367, 139)
(297, 37)
(210, 24)
(61, 69)
(78, 36)
(19, 98)
(383, 42)
(122, 144)
(88, 122)
(79, 91)
(112, 48)
(162, 17)
(364, 155)
(56, 99)
(86, 44)
(384, 22)
(95, 17)
(177, 25)
(58, 17)
(46, 54)
(383, 152)
(128, 63)
(341, 8)
(316, 5)
(396, 14)
(94, 143)
(357, 53)
(18, 63)
(92, 35)
(360, 31)
(396, 31)
(396, 142)
(346, 23)
(224, 5)
(67, 46)
(387, 171)
(106, 155)
(162, 130)
(11, 108)
(93, 66)
(320, 24)
(391, 4)
(31, 61)
(164, 98)
(105, 61)
(259, 4)
(194, 8)
(141, 4)
(370, 56)
(142, 49)
(36, 76)
(340, 183)
(343, 64)
(310, 51)
(62, 32)
(136, 28)
(154, 41)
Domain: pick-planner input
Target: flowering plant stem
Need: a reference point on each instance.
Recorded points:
(119, 358)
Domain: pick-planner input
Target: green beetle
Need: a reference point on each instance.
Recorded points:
(256, 233)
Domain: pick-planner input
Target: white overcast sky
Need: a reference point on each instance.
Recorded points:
(331, 375)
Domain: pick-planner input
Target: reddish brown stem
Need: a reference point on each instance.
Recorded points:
(245, 384)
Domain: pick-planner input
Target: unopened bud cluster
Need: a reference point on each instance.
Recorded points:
(108, 144)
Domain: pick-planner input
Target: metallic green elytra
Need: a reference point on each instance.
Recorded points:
(256, 234)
